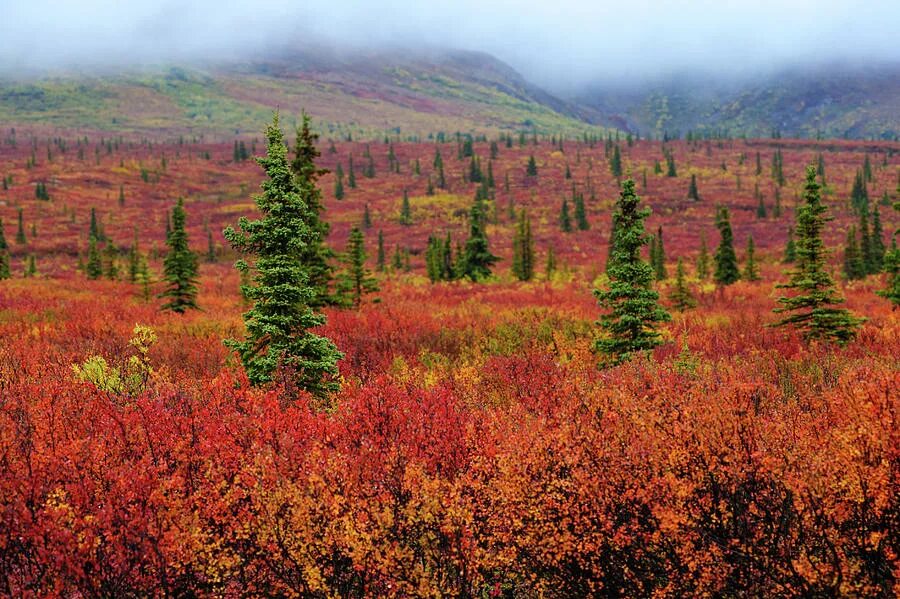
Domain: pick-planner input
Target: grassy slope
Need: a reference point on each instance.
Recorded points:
(429, 99)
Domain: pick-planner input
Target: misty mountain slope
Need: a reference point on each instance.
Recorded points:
(362, 94)
(835, 101)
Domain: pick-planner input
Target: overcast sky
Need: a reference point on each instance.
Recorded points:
(559, 43)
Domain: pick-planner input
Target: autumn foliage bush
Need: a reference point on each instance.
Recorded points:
(474, 450)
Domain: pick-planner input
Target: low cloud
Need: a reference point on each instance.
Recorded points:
(562, 44)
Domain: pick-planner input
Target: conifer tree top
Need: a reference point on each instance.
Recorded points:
(813, 308)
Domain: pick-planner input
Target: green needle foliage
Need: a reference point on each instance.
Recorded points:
(4, 254)
(813, 309)
(703, 259)
(356, 280)
(693, 193)
(476, 257)
(179, 266)
(681, 296)
(316, 256)
(20, 230)
(523, 249)
(279, 346)
(633, 305)
(751, 268)
(892, 268)
(94, 267)
(726, 260)
(790, 249)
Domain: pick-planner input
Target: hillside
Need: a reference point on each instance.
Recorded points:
(362, 94)
(827, 101)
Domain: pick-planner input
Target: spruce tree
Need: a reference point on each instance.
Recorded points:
(531, 169)
(580, 213)
(565, 221)
(94, 230)
(550, 266)
(179, 266)
(523, 249)
(681, 296)
(751, 268)
(381, 257)
(338, 188)
(892, 268)
(94, 267)
(761, 207)
(367, 217)
(279, 345)
(633, 307)
(316, 256)
(659, 263)
(30, 267)
(356, 280)
(693, 193)
(813, 309)
(20, 231)
(703, 259)
(405, 214)
(877, 249)
(476, 259)
(615, 163)
(110, 256)
(210, 247)
(351, 175)
(726, 271)
(790, 248)
(4, 254)
(134, 259)
(854, 264)
(859, 194)
(865, 244)
(670, 165)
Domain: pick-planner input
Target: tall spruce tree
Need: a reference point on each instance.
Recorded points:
(813, 308)
(629, 326)
(476, 259)
(726, 271)
(565, 221)
(523, 249)
(179, 266)
(94, 267)
(615, 163)
(356, 280)
(316, 256)
(279, 345)
(20, 230)
(891, 264)
(892, 268)
(405, 212)
(4, 254)
(854, 265)
(380, 261)
(877, 249)
(703, 259)
(659, 259)
(580, 214)
(751, 268)
(693, 193)
(681, 296)
(531, 170)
